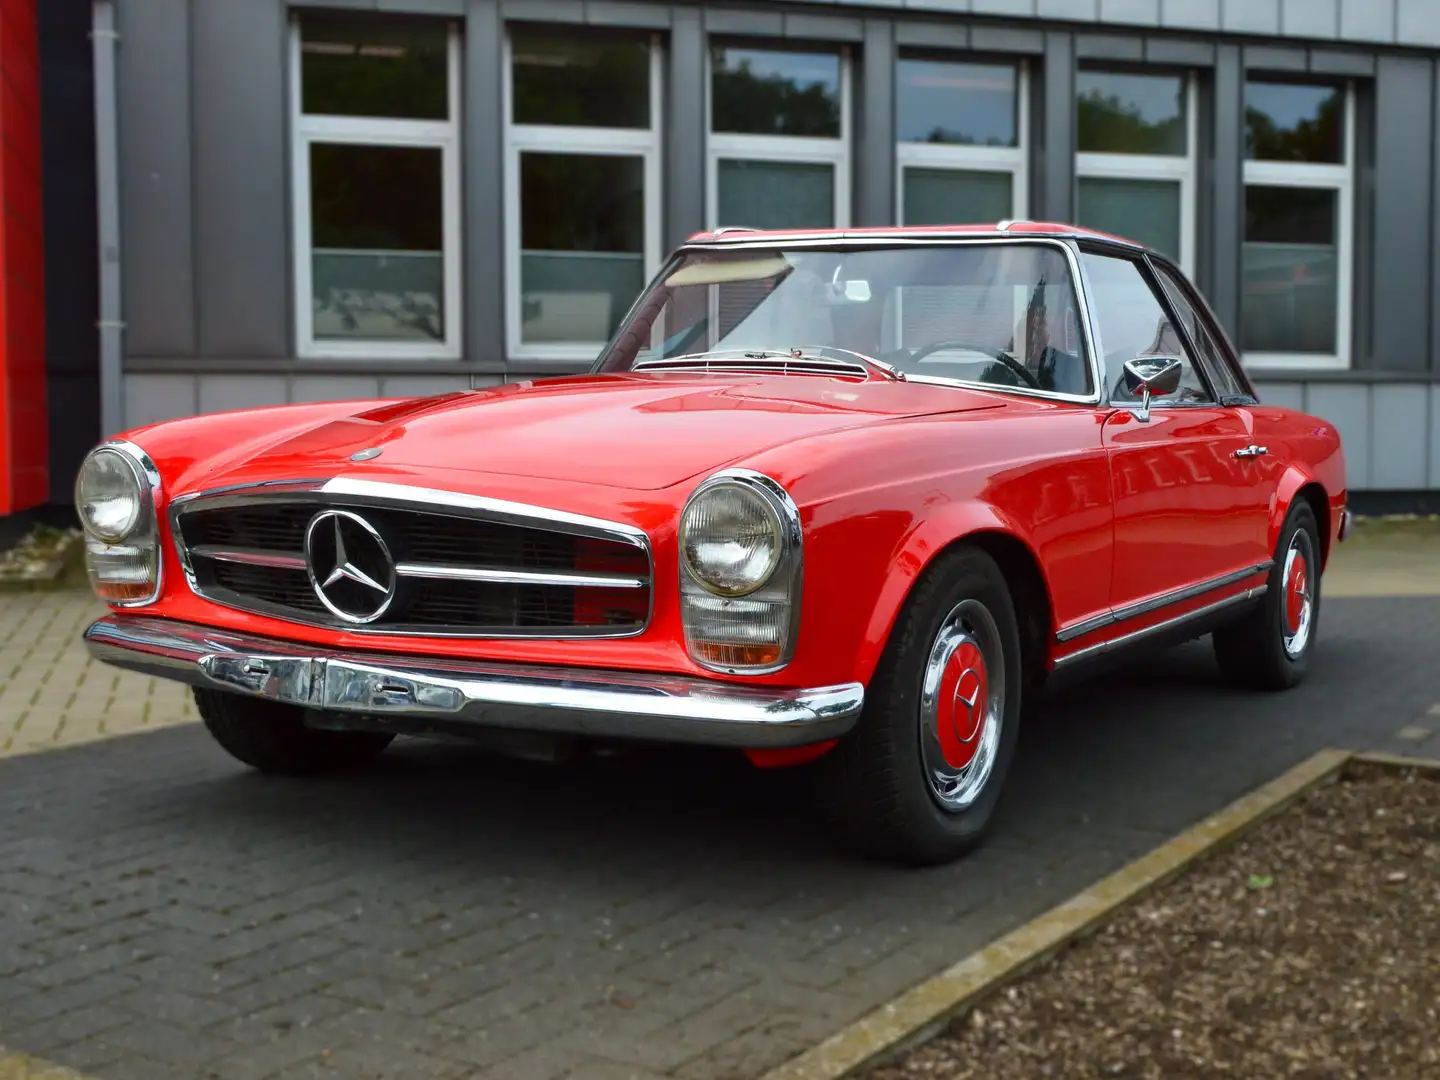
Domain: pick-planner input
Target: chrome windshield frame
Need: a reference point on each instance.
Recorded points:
(1079, 282)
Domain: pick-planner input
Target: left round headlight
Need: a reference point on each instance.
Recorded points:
(108, 495)
(731, 539)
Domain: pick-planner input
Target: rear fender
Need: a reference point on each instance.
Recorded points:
(915, 553)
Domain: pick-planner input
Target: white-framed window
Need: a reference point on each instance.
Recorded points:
(1297, 255)
(962, 140)
(582, 186)
(1135, 140)
(375, 117)
(779, 137)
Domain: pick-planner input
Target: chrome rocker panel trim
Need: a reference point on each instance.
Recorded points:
(460, 693)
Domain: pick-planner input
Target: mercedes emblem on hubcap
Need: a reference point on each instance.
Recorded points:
(350, 566)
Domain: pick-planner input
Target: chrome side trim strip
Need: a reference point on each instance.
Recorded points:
(518, 577)
(1155, 603)
(1135, 636)
(410, 692)
(275, 560)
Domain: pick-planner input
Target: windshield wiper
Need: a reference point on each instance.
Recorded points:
(797, 354)
(892, 372)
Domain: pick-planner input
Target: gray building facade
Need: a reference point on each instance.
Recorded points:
(352, 198)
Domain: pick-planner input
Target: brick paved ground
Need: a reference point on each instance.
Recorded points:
(52, 695)
(165, 913)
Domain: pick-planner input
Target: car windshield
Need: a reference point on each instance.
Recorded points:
(997, 314)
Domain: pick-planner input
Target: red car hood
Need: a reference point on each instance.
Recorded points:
(629, 431)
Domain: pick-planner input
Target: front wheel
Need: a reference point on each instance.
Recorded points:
(1270, 649)
(918, 780)
(271, 736)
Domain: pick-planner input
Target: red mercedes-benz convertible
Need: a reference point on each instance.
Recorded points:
(836, 499)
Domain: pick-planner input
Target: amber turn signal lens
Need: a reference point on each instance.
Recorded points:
(737, 656)
(122, 592)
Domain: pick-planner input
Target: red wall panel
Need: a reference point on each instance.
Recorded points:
(24, 437)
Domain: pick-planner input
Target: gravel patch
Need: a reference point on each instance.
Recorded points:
(1311, 949)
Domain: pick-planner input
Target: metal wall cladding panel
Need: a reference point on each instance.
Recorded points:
(1368, 20)
(1139, 12)
(1022, 8)
(306, 388)
(483, 196)
(1250, 16)
(413, 386)
(1400, 436)
(1433, 476)
(153, 73)
(1075, 10)
(1404, 134)
(1417, 22)
(1190, 14)
(241, 178)
(149, 399)
(1347, 406)
(1287, 395)
(222, 393)
(1310, 18)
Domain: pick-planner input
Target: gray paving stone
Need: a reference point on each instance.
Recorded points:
(676, 915)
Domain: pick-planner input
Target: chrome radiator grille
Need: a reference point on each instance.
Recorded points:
(376, 564)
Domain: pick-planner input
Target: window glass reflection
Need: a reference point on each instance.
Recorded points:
(1146, 211)
(955, 103)
(956, 196)
(1120, 113)
(762, 92)
(1292, 122)
(357, 65)
(377, 261)
(600, 82)
(582, 240)
(1291, 268)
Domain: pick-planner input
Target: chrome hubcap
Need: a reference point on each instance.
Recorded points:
(1297, 607)
(962, 704)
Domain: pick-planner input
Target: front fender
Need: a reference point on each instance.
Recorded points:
(914, 554)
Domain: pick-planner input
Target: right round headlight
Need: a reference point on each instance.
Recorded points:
(108, 495)
(731, 539)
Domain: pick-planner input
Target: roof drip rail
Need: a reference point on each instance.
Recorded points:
(723, 229)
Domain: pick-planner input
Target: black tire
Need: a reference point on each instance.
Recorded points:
(1260, 652)
(875, 786)
(271, 736)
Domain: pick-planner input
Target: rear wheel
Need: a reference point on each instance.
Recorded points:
(1270, 649)
(272, 737)
(918, 780)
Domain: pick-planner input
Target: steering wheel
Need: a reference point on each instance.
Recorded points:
(1004, 359)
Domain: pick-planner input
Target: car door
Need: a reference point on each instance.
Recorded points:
(1190, 507)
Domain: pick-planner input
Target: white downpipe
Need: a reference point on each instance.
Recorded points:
(111, 325)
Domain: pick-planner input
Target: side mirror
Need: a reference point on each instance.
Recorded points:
(1152, 376)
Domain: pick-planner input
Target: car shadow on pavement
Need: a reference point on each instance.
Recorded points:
(1147, 747)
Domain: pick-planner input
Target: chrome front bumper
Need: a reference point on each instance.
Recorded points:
(416, 692)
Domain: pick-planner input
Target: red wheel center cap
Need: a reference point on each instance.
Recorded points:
(1295, 595)
(962, 705)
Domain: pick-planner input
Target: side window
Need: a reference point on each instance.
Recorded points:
(1212, 356)
(1133, 322)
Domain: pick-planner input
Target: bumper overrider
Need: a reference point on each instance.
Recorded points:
(422, 693)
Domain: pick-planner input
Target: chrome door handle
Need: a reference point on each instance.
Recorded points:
(1251, 451)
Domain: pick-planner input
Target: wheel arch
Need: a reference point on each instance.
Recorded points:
(981, 526)
(1297, 485)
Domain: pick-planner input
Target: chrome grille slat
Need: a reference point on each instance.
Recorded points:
(461, 571)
